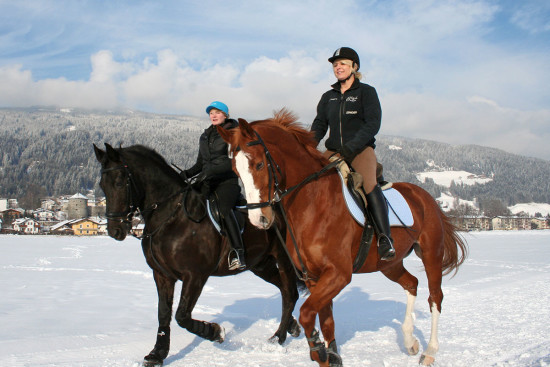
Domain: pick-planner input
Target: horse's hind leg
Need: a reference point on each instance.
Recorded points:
(400, 275)
(165, 291)
(284, 278)
(190, 292)
(432, 259)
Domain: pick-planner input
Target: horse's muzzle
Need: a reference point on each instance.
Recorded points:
(117, 233)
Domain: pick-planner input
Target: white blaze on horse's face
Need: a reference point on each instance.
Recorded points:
(256, 216)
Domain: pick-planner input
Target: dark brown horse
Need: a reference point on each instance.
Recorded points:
(278, 163)
(179, 244)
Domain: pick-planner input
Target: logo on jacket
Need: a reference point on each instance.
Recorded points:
(351, 112)
(352, 99)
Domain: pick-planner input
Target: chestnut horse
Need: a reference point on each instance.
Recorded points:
(279, 165)
(180, 244)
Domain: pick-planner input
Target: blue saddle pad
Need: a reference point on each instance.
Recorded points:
(399, 212)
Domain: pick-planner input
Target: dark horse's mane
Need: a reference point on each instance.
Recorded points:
(144, 153)
(288, 121)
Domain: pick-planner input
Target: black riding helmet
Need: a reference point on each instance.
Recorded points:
(345, 53)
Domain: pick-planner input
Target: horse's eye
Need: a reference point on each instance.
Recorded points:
(259, 166)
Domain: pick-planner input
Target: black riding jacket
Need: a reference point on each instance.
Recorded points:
(212, 159)
(353, 117)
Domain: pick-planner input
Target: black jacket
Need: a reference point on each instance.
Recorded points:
(353, 117)
(212, 159)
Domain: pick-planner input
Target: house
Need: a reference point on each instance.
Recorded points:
(9, 216)
(475, 223)
(26, 226)
(85, 227)
(138, 230)
(511, 223)
(44, 215)
(540, 223)
(63, 228)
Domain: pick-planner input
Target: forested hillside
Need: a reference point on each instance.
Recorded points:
(48, 151)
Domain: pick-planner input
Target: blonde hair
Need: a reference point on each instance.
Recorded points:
(357, 74)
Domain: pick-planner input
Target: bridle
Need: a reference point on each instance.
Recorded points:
(277, 192)
(133, 196)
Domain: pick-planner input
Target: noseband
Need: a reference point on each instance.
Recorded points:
(131, 201)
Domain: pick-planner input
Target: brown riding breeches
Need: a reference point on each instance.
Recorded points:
(365, 164)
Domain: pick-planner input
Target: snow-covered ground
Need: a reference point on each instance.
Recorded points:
(445, 178)
(531, 208)
(68, 301)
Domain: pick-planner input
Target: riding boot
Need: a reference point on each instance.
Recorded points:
(379, 209)
(236, 254)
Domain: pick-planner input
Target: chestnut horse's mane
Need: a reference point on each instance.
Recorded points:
(287, 121)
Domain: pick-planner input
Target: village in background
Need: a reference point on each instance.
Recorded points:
(84, 215)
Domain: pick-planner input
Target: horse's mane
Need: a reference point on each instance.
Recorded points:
(287, 121)
(144, 153)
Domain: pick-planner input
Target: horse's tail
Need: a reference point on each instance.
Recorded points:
(455, 249)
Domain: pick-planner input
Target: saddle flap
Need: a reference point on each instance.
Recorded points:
(214, 214)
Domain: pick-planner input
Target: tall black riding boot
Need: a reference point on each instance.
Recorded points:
(379, 209)
(236, 254)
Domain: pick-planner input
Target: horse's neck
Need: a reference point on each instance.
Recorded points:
(302, 166)
(157, 187)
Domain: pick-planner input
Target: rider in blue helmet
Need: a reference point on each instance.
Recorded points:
(214, 168)
(219, 106)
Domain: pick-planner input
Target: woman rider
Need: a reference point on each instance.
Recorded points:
(214, 167)
(352, 111)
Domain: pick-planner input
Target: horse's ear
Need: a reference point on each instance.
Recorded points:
(112, 153)
(246, 130)
(227, 135)
(99, 154)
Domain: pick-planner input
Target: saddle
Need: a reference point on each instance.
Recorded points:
(400, 214)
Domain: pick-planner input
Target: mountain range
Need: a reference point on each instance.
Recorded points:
(48, 151)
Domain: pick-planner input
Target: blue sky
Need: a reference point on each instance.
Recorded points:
(461, 72)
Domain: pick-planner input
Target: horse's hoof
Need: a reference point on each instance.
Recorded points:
(221, 335)
(152, 363)
(294, 329)
(426, 360)
(277, 339)
(334, 360)
(413, 350)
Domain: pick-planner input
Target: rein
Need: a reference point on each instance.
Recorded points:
(279, 193)
(133, 208)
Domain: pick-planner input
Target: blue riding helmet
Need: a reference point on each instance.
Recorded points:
(219, 106)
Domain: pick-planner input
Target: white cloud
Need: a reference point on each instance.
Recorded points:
(436, 65)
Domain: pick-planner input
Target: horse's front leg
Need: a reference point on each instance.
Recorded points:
(165, 291)
(190, 292)
(326, 320)
(323, 291)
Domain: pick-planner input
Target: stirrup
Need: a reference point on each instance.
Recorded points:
(235, 262)
(387, 254)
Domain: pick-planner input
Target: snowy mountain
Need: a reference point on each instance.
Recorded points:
(48, 151)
